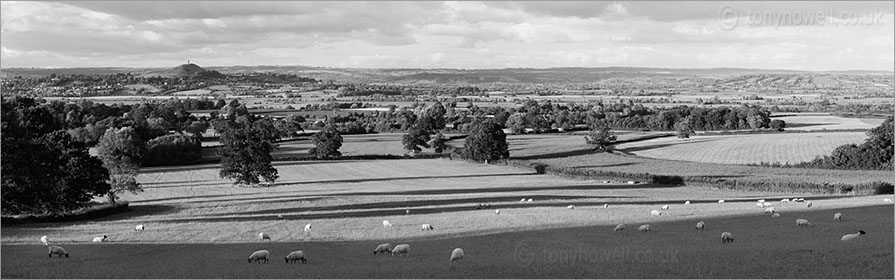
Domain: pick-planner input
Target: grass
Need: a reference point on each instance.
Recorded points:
(815, 121)
(744, 149)
(530, 146)
(764, 248)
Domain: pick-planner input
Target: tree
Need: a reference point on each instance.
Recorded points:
(438, 142)
(326, 142)
(683, 128)
(778, 125)
(600, 136)
(121, 152)
(486, 142)
(246, 144)
(414, 139)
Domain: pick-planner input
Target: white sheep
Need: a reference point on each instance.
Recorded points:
(700, 225)
(386, 223)
(571, 207)
(644, 228)
(384, 248)
(837, 217)
(803, 223)
(853, 236)
(887, 200)
(529, 200)
(720, 201)
(726, 237)
(522, 200)
(100, 238)
(759, 204)
(296, 256)
(801, 199)
(259, 255)
(457, 254)
(775, 215)
(769, 210)
(407, 212)
(767, 204)
(809, 204)
(140, 228)
(280, 216)
(619, 227)
(687, 202)
(761, 201)
(606, 205)
(655, 213)
(45, 240)
(427, 227)
(56, 250)
(785, 200)
(665, 207)
(497, 211)
(308, 228)
(401, 249)
(262, 236)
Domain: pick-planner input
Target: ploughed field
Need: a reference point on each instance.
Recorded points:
(764, 247)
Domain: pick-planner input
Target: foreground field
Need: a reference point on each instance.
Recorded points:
(744, 149)
(764, 248)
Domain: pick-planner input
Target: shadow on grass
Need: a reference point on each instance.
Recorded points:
(557, 155)
(136, 211)
(394, 179)
(606, 165)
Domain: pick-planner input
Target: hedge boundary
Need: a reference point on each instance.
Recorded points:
(92, 212)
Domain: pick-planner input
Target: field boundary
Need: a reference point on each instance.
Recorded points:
(77, 215)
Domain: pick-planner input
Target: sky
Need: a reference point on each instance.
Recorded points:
(815, 36)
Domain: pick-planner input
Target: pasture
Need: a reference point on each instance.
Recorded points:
(744, 149)
(764, 247)
(815, 121)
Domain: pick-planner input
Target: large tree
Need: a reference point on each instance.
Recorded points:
(246, 143)
(415, 140)
(326, 142)
(600, 137)
(486, 142)
(121, 152)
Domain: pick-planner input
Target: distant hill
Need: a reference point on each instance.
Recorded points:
(190, 69)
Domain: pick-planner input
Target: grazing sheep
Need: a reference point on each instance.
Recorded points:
(280, 216)
(767, 204)
(100, 238)
(759, 204)
(384, 248)
(665, 207)
(644, 228)
(769, 210)
(726, 237)
(720, 201)
(655, 213)
(606, 205)
(619, 227)
(427, 227)
(386, 223)
(497, 211)
(529, 200)
(296, 256)
(837, 217)
(406, 211)
(140, 228)
(775, 215)
(887, 200)
(803, 223)
(308, 228)
(785, 200)
(401, 249)
(606, 182)
(45, 240)
(700, 225)
(457, 254)
(259, 255)
(571, 207)
(687, 202)
(761, 201)
(56, 250)
(809, 204)
(801, 199)
(853, 236)
(262, 236)
(523, 200)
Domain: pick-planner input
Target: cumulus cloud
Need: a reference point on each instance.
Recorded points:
(442, 34)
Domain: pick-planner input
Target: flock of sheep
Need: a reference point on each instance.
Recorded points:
(457, 254)
(768, 209)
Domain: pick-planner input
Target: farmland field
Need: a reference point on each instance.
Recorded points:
(809, 121)
(764, 248)
(744, 149)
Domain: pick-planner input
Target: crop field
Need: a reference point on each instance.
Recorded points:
(763, 248)
(531, 146)
(827, 122)
(744, 149)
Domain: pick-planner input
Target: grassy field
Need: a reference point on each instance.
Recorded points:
(814, 121)
(763, 248)
(530, 146)
(744, 149)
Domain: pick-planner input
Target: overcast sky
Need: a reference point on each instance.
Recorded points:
(778, 35)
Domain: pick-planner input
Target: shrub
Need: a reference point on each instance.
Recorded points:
(172, 149)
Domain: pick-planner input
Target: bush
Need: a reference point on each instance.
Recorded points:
(172, 149)
(91, 212)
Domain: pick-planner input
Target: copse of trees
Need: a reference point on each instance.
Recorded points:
(876, 153)
(172, 149)
(45, 170)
